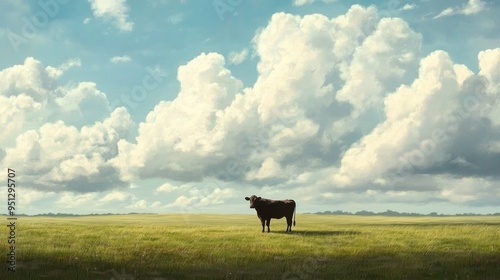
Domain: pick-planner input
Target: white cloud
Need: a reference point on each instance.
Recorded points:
(217, 196)
(206, 89)
(259, 133)
(120, 59)
(115, 11)
(489, 63)
(140, 205)
(341, 106)
(424, 123)
(446, 12)
(238, 57)
(471, 8)
(176, 18)
(468, 190)
(56, 72)
(397, 134)
(155, 204)
(71, 200)
(302, 2)
(31, 95)
(182, 201)
(408, 7)
(59, 157)
(309, 119)
(167, 187)
(201, 198)
(269, 169)
(31, 195)
(114, 196)
(307, 2)
(76, 100)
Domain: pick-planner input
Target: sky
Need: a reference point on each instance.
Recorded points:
(184, 106)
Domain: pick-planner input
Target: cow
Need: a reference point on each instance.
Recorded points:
(277, 209)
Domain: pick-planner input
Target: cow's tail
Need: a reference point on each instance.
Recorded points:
(294, 215)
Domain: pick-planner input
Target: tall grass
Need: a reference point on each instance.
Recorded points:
(232, 247)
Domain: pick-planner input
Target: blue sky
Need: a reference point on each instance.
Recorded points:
(189, 106)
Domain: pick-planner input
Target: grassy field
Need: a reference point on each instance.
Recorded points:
(232, 247)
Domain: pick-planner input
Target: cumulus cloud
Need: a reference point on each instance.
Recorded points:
(418, 123)
(307, 2)
(340, 106)
(206, 89)
(115, 11)
(489, 63)
(302, 2)
(31, 195)
(167, 187)
(55, 72)
(238, 57)
(182, 201)
(138, 205)
(408, 7)
(347, 103)
(307, 99)
(30, 96)
(195, 198)
(57, 155)
(120, 59)
(438, 134)
(114, 196)
(446, 12)
(471, 8)
(70, 200)
(217, 196)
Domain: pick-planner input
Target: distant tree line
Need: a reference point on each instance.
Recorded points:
(75, 215)
(395, 213)
(337, 212)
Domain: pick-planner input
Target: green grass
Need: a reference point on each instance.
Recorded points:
(232, 247)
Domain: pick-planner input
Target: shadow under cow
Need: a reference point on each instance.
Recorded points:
(319, 232)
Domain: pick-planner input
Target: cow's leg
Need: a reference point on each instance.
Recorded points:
(288, 224)
(267, 224)
(262, 221)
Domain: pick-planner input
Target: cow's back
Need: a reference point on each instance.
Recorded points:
(276, 209)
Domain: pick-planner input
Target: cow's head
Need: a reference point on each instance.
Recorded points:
(252, 200)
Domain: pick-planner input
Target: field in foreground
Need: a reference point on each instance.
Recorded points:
(232, 247)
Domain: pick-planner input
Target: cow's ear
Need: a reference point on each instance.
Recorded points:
(259, 197)
(247, 198)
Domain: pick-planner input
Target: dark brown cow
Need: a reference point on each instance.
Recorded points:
(277, 209)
